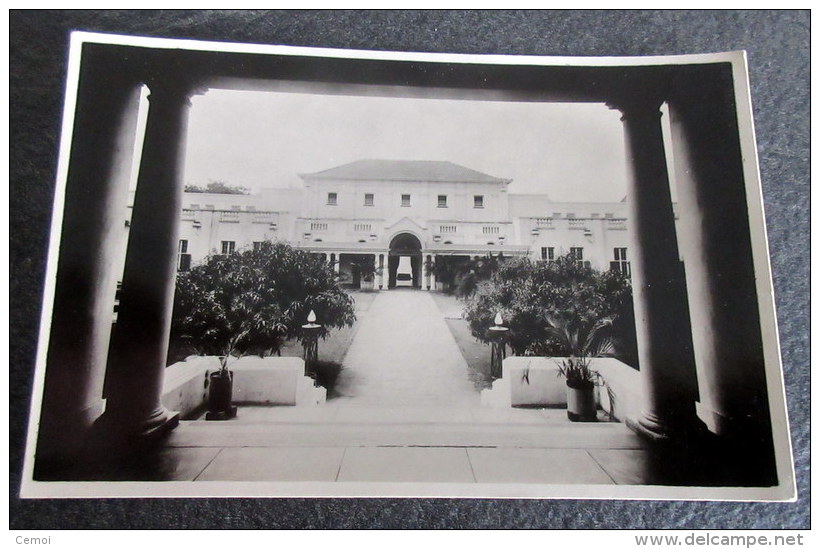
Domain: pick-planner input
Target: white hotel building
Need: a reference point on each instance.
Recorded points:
(401, 216)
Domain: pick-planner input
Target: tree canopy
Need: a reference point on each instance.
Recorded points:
(217, 187)
(531, 296)
(251, 301)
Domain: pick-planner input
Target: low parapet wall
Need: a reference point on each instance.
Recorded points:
(257, 381)
(536, 381)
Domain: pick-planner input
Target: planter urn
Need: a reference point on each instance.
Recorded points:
(220, 396)
(581, 404)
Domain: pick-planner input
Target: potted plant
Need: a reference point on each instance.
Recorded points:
(249, 302)
(223, 308)
(443, 270)
(368, 272)
(580, 342)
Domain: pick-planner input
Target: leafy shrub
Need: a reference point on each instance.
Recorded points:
(253, 300)
(528, 294)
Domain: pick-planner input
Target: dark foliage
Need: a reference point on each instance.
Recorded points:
(528, 294)
(217, 187)
(252, 300)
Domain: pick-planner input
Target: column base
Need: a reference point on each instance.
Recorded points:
(669, 430)
(123, 431)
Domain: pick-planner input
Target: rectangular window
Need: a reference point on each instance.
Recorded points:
(548, 254)
(620, 264)
(478, 201)
(257, 246)
(331, 199)
(184, 258)
(368, 199)
(577, 254)
(405, 201)
(228, 247)
(442, 201)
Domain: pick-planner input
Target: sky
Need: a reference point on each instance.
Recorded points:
(571, 152)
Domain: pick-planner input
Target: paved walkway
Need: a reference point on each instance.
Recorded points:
(404, 355)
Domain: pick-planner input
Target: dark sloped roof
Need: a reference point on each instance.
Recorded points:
(404, 170)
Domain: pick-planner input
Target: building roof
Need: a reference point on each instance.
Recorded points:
(404, 170)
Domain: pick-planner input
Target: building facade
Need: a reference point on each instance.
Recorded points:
(396, 219)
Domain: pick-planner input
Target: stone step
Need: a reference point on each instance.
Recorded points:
(404, 434)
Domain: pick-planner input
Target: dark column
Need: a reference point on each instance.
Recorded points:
(719, 266)
(659, 294)
(93, 227)
(392, 270)
(415, 265)
(139, 354)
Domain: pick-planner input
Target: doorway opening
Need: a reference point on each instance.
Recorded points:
(404, 261)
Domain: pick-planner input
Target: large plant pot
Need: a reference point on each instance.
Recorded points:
(441, 286)
(581, 403)
(220, 396)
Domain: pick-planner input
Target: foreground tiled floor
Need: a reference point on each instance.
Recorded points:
(342, 443)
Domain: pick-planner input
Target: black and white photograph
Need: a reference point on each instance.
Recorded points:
(296, 272)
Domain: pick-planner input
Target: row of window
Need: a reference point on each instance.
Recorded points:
(620, 263)
(369, 200)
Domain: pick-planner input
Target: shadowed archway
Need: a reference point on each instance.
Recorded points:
(404, 245)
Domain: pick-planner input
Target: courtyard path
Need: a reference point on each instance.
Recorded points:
(403, 354)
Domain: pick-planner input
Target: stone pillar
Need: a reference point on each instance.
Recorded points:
(337, 262)
(140, 346)
(381, 271)
(432, 272)
(720, 276)
(92, 231)
(425, 281)
(659, 294)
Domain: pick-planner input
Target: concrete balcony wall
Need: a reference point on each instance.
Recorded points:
(536, 381)
(257, 381)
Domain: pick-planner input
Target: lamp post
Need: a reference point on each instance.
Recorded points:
(498, 342)
(310, 343)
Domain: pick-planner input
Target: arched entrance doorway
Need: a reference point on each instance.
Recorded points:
(404, 245)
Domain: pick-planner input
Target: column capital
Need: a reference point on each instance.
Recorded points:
(637, 105)
(174, 88)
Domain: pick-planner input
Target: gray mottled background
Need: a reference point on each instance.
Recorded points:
(777, 43)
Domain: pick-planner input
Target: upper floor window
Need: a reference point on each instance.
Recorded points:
(228, 247)
(478, 201)
(368, 199)
(405, 200)
(442, 201)
(257, 246)
(577, 254)
(332, 199)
